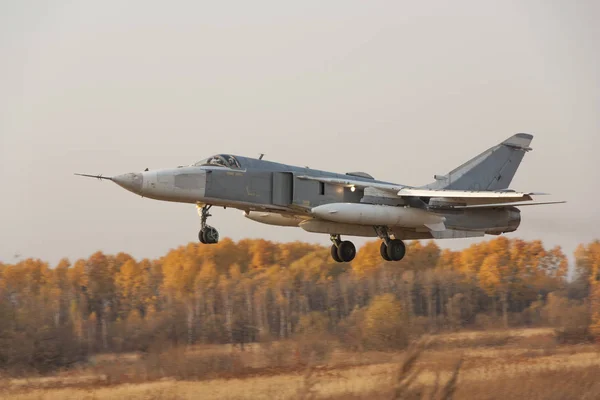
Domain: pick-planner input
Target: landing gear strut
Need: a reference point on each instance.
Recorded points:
(207, 234)
(342, 251)
(391, 249)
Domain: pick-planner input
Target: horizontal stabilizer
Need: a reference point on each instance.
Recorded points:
(513, 204)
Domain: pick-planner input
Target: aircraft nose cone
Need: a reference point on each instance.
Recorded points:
(132, 181)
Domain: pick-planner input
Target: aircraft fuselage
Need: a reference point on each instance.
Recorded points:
(471, 200)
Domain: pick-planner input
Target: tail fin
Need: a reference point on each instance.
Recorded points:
(493, 169)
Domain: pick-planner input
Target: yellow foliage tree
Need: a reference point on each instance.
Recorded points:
(253, 289)
(314, 323)
(368, 259)
(130, 285)
(383, 325)
(595, 311)
(587, 261)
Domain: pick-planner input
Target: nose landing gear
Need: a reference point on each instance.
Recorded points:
(342, 251)
(207, 234)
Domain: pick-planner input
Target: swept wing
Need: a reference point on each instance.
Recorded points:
(513, 204)
(466, 197)
(453, 198)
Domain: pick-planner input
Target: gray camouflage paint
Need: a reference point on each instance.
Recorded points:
(268, 186)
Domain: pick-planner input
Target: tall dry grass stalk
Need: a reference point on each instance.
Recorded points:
(448, 390)
(407, 370)
(307, 391)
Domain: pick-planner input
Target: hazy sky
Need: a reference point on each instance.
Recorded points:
(399, 89)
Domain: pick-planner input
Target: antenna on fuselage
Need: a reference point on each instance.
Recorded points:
(261, 156)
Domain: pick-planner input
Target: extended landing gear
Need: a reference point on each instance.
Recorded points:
(391, 249)
(342, 251)
(207, 234)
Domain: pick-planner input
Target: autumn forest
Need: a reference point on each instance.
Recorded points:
(256, 291)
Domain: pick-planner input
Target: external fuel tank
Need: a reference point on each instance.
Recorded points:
(373, 215)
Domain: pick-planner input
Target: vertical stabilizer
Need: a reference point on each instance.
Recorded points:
(493, 169)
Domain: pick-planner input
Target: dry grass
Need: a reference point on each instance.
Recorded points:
(529, 365)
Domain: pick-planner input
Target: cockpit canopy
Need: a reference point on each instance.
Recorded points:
(220, 160)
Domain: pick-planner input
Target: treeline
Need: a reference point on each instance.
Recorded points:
(256, 290)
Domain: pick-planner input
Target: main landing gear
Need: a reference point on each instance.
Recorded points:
(391, 249)
(342, 251)
(207, 234)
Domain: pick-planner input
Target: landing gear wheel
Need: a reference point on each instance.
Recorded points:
(346, 251)
(383, 251)
(396, 249)
(334, 253)
(209, 235)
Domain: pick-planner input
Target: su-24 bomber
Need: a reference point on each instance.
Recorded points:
(471, 200)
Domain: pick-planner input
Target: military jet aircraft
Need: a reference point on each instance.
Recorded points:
(471, 200)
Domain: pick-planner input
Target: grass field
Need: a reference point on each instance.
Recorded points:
(519, 364)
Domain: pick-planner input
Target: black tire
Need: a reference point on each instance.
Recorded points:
(396, 249)
(210, 235)
(383, 252)
(346, 251)
(201, 236)
(334, 253)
